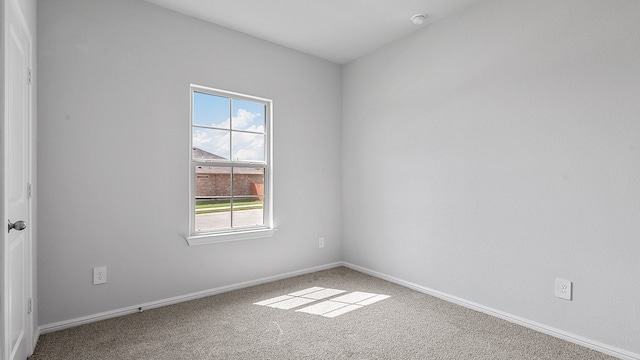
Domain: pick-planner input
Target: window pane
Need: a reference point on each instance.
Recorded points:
(248, 196)
(247, 147)
(210, 110)
(232, 129)
(213, 198)
(215, 143)
(248, 116)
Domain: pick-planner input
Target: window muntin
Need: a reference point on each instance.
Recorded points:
(230, 176)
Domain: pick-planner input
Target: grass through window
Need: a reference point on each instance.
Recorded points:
(212, 206)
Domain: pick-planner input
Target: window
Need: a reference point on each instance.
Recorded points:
(230, 166)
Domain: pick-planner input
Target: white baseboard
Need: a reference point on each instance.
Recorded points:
(34, 340)
(579, 340)
(174, 300)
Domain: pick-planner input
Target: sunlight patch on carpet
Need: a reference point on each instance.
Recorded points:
(291, 303)
(329, 308)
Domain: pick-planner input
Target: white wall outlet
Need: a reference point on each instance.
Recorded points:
(99, 275)
(321, 242)
(564, 289)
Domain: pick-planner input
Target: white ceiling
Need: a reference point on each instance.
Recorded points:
(336, 30)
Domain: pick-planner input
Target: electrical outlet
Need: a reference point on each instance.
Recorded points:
(321, 242)
(564, 289)
(99, 275)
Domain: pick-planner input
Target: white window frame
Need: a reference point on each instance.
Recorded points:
(241, 233)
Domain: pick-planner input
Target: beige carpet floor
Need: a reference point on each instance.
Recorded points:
(406, 325)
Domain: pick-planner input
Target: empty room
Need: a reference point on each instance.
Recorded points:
(340, 179)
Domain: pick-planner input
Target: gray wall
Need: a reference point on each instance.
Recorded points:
(113, 154)
(499, 149)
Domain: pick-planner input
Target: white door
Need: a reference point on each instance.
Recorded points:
(17, 249)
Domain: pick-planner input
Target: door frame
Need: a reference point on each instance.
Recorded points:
(31, 329)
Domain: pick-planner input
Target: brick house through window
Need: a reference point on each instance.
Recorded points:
(215, 181)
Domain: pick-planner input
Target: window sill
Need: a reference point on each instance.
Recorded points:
(204, 239)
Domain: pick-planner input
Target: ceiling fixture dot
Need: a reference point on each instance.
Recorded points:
(418, 19)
